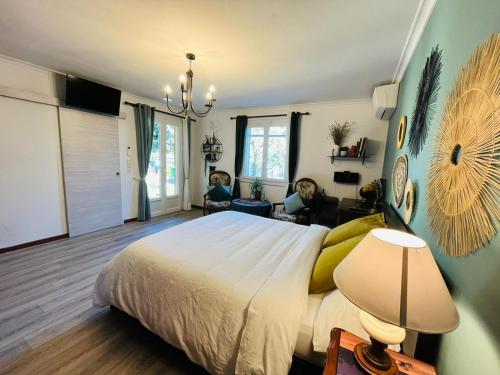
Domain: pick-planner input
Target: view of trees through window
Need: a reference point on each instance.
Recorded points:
(266, 151)
(154, 176)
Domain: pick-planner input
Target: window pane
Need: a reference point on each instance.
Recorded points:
(276, 155)
(255, 156)
(153, 175)
(256, 131)
(277, 130)
(171, 162)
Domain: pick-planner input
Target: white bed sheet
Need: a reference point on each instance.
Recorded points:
(229, 289)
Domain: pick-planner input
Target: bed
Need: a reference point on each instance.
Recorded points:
(231, 291)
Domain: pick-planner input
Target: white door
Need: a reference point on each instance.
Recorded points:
(164, 172)
(91, 165)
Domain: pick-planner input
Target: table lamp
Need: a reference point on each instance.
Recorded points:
(393, 278)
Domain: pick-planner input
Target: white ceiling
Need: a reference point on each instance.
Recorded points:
(257, 53)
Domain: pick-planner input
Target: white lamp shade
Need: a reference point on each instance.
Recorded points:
(393, 276)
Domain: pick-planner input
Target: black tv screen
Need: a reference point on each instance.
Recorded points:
(92, 96)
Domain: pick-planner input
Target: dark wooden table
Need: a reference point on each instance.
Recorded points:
(342, 344)
(350, 209)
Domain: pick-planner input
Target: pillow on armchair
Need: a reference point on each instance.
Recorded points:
(293, 203)
(218, 194)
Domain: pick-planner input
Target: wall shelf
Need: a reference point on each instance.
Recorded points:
(348, 158)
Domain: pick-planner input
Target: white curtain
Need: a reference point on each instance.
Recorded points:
(186, 152)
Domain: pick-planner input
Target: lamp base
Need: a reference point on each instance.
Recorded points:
(373, 358)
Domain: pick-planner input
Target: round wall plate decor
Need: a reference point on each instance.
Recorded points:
(399, 176)
(463, 188)
(401, 131)
(409, 201)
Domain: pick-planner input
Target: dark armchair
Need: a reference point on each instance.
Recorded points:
(308, 191)
(215, 178)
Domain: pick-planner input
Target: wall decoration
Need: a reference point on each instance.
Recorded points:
(410, 197)
(428, 89)
(399, 176)
(464, 181)
(401, 131)
(211, 150)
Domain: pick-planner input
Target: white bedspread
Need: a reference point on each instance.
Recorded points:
(229, 289)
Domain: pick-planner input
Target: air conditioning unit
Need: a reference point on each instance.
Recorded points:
(385, 100)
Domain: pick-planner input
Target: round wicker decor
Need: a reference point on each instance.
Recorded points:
(464, 180)
(399, 176)
(409, 195)
(401, 131)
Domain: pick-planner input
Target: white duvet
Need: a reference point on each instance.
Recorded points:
(229, 289)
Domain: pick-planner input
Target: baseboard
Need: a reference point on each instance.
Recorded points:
(33, 243)
(129, 220)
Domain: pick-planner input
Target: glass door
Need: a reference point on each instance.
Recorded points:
(164, 171)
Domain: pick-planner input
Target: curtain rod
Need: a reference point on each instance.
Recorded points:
(157, 110)
(280, 115)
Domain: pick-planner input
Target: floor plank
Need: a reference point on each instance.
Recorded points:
(49, 326)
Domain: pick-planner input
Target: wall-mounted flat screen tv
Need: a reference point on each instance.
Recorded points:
(92, 96)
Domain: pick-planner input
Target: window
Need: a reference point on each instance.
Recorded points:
(266, 151)
(171, 161)
(153, 179)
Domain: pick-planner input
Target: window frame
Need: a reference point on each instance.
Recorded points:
(266, 125)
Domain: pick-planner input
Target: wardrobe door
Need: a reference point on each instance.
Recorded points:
(91, 165)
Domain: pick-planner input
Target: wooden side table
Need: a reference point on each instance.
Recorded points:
(340, 357)
(349, 209)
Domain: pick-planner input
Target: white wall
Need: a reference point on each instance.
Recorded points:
(315, 146)
(31, 191)
(31, 186)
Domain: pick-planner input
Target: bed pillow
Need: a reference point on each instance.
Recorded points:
(293, 203)
(328, 260)
(218, 194)
(354, 228)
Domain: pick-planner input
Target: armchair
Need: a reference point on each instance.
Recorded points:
(216, 178)
(308, 190)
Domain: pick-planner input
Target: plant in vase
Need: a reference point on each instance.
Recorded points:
(256, 189)
(338, 132)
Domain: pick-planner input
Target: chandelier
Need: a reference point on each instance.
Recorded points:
(186, 81)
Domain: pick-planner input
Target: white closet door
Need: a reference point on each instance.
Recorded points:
(91, 165)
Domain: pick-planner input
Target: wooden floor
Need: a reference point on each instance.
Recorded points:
(48, 324)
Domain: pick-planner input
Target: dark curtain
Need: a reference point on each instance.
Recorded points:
(293, 153)
(241, 127)
(144, 124)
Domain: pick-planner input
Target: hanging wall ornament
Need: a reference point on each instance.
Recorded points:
(401, 131)
(409, 195)
(464, 180)
(399, 176)
(428, 89)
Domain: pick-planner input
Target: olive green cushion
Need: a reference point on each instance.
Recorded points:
(330, 257)
(354, 228)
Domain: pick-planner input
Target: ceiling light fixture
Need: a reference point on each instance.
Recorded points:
(186, 81)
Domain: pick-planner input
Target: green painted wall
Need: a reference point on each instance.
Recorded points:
(458, 26)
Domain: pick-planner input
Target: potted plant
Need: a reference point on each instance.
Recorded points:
(338, 132)
(256, 189)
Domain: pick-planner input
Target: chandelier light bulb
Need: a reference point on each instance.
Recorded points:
(168, 90)
(211, 89)
(209, 96)
(182, 78)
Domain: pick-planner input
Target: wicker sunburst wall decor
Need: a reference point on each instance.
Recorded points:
(464, 180)
(428, 89)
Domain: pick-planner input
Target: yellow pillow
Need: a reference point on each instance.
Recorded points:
(354, 228)
(330, 257)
